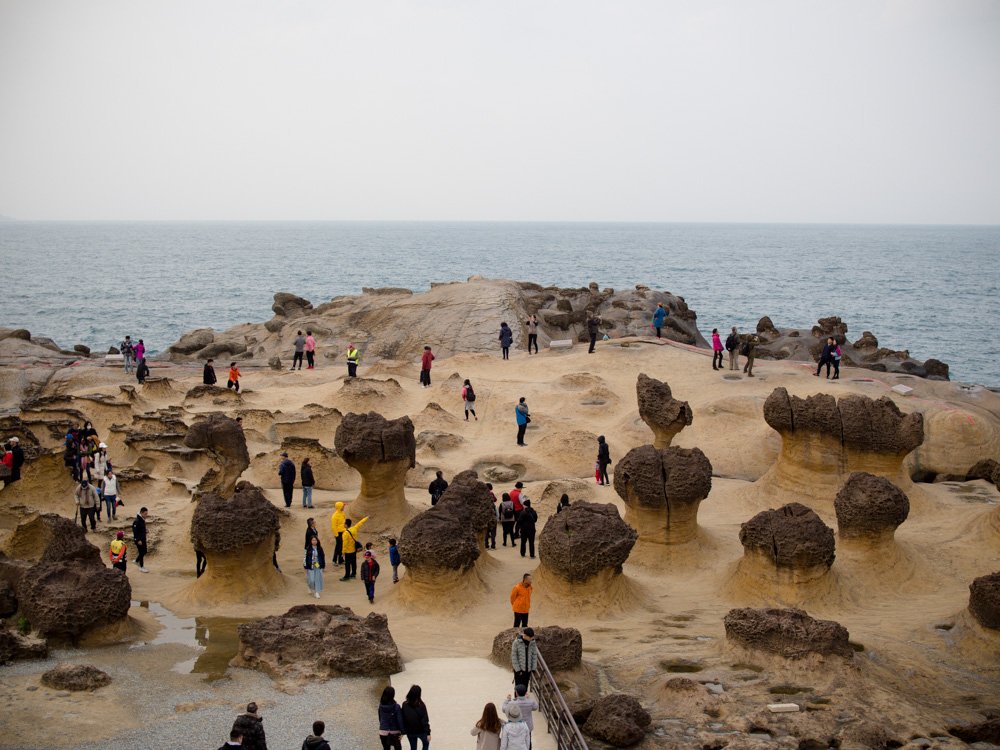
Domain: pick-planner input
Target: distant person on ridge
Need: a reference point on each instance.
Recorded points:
(524, 656)
(525, 528)
(310, 351)
(234, 377)
(733, 347)
(425, 367)
(506, 338)
(127, 348)
(436, 488)
(533, 333)
(142, 371)
(469, 397)
(825, 358)
(308, 482)
(659, 317)
(208, 374)
(523, 417)
(286, 471)
(593, 328)
(836, 357)
(749, 350)
(300, 349)
(716, 350)
(520, 601)
(352, 361)
(603, 459)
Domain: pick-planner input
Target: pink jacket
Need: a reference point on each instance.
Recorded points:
(716, 342)
(310, 344)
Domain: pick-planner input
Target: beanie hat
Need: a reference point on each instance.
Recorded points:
(120, 535)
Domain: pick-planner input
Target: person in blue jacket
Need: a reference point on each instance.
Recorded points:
(394, 560)
(658, 318)
(523, 417)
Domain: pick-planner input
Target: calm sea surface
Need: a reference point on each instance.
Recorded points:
(933, 290)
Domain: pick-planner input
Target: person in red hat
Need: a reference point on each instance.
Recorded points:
(369, 572)
(119, 552)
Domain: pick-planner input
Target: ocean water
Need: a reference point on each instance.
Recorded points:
(931, 289)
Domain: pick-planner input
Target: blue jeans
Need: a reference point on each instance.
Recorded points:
(112, 502)
(129, 363)
(370, 590)
(315, 578)
(307, 497)
(425, 743)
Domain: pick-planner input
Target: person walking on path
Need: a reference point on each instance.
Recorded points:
(337, 527)
(520, 601)
(506, 338)
(127, 348)
(523, 417)
(659, 317)
(390, 720)
(507, 518)
(208, 374)
(733, 347)
(836, 356)
(251, 726)
(525, 703)
(437, 487)
(140, 351)
(716, 350)
(524, 656)
(315, 740)
(515, 734)
(469, 397)
(425, 367)
(525, 528)
(16, 460)
(234, 377)
(87, 500)
(593, 328)
(311, 531)
(308, 482)
(825, 358)
(300, 349)
(351, 548)
(353, 357)
(491, 529)
(603, 459)
(749, 350)
(310, 351)
(139, 535)
(415, 719)
(286, 471)
(118, 552)
(533, 333)
(109, 485)
(487, 729)
(314, 562)
(141, 371)
(394, 560)
(369, 573)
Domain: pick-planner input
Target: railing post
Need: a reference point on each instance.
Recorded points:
(553, 706)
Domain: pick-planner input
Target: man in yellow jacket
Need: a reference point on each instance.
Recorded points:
(337, 526)
(350, 540)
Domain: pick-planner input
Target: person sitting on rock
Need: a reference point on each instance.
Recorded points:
(251, 726)
(524, 656)
(437, 487)
(119, 552)
(350, 546)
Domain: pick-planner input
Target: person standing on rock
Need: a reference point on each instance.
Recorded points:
(139, 535)
(603, 460)
(506, 338)
(533, 333)
(390, 720)
(118, 552)
(337, 527)
(469, 397)
(749, 351)
(369, 573)
(733, 347)
(141, 371)
(308, 482)
(234, 377)
(487, 729)
(109, 485)
(716, 350)
(251, 726)
(415, 719)
(425, 367)
(310, 351)
(525, 704)
(208, 374)
(520, 601)
(825, 358)
(515, 734)
(659, 317)
(286, 471)
(525, 528)
(300, 349)
(524, 656)
(315, 740)
(352, 360)
(315, 563)
(593, 328)
(836, 357)
(127, 349)
(140, 351)
(523, 417)
(351, 548)
(87, 500)
(437, 487)
(507, 518)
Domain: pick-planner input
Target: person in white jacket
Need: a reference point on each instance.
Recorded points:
(110, 486)
(515, 734)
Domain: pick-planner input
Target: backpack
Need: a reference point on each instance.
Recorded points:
(508, 510)
(745, 349)
(731, 342)
(470, 395)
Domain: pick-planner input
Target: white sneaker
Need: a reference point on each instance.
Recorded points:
(144, 570)
(317, 595)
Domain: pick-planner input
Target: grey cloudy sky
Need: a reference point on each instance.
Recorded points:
(708, 110)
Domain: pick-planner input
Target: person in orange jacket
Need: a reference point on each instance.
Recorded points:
(520, 601)
(118, 552)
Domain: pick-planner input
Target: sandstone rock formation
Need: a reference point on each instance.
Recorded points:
(319, 642)
(569, 539)
(51, 538)
(223, 438)
(984, 600)
(870, 508)
(75, 677)
(469, 500)
(662, 489)
(792, 539)
(987, 732)
(618, 719)
(14, 646)
(987, 469)
(66, 600)
(239, 538)
(382, 451)
(662, 413)
(790, 633)
(562, 648)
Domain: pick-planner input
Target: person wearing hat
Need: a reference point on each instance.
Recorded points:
(251, 727)
(524, 656)
(286, 470)
(118, 552)
(352, 361)
(515, 734)
(86, 501)
(16, 459)
(524, 704)
(515, 498)
(525, 528)
(369, 572)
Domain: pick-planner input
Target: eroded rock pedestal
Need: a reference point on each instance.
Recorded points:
(662, 413)
(790, 633)
(223, 438)
(381, 451)
(562, 648)
(870, 508)
(788, 545)
(570, 540)
(984, 600)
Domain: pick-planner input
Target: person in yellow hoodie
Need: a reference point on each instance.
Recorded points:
(118, 552)
(350, 539)
(337, 526)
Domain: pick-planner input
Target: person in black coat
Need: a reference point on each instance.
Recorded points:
(437, 487)
(525, 528)
(208, 374)
(18, 457)
(286, 471)
(603, 459)
(826, 358)
(139, 534)
(251, 728)
(308, 482)
(593, 328)
(415, 719)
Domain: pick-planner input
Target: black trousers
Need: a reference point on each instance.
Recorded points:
(819, 367)
(352, 370)
(391, 741)
(140, 548)
(311, 359)
(593, 342)
(717, 360)
(338, 550)
(658, 333)
(233, 384)
(604, 474)
(522, 678)
(425, 377)
(200, 563)
(532, 341)
(350, 564)
(520, 433)
(520, 619)
(121, 565)
(491, 536)
(90, 513)
(528, 540)
(836, 368)
(286, 490)
(297, 358)
(508, 531)
(506, 352)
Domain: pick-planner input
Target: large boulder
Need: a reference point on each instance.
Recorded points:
(984, 600)
(434, 542)
(662, 489)
(67, 600)
(790, 633)
(222, 438)
(618, 719)
(791, 539)
(987, 731)
(14, 646)
(51, 538)
(289, 305)
(662, 413)
(470, 500)
(317, 642)
(75, 677)
(569, 538)
(987, 469)
(562, 648)
(382, 451)
(193, 341)
(870, 508)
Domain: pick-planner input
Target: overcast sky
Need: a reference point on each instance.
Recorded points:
(738, 110)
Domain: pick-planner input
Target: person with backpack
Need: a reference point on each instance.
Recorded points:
(825, 358)
(469, 397)
(436, 488)
(314, 562)
(749, 350)
(337, 526)
(208, 374)
(525, 528)
(603, 460)
(733, 347)
(532, 333)
(310, 351)
(390, 720)
(716, 350)
(415, 719)
(127, 348)
(369, 574)
(315, 740)
(300, 350)
(523, 417)
(507, 518)
(506, 338)
(426, 359)
(659, 317)
(308, 482)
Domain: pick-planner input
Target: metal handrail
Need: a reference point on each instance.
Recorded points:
(553, 707)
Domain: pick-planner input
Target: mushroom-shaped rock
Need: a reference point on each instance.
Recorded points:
(792, 539)
(984, 600)
(311, 641)
(68, 600)
(382, 451)
(662, 489)
(436, 542)
(790, 633)
(870, 508)
(562, 648)
(238, 538)
(662, 413)
(569, 538)
(51, 538)
(75, 677)
(223, 438)
(469, 500)
(618, 719)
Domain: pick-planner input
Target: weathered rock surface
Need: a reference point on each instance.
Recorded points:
(983, 731)
(662, 413)
(192, 341)
(562, 648)
(569, 539)
(617, 719)
(469, 499)
(434, 541)
(790, 633)
(984, 600)
(51, 538)
(870, 507)
(14, 646)
(8, 599)
(662, 489)
(792, 536)
(382, 451)
(223, 438)
(988, 469)
(75, 677)
(65, 600)
(319, 642)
